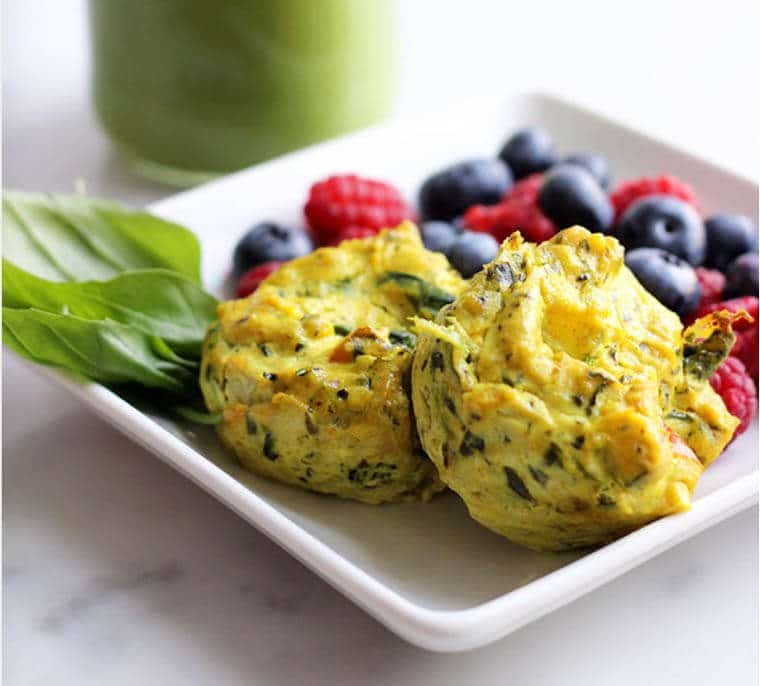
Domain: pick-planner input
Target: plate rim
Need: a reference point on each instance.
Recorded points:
(432, 629)
(436, 630)
(463, 105)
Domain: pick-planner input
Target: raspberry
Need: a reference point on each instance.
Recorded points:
(503, 219)
(745, 349)
(711, 283)
(737, 389)
(746, 346)
(348, 200)
(351, 232)
(518, 210)
(630, 191)
(526, 189)
(251, 279)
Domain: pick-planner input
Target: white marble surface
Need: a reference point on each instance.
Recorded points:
(119, 571)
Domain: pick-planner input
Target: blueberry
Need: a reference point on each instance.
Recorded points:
(528, 151)
(728, 236)
(269, 242)
(741, 276)
(438, 236)
(662, 221)
(471, 250)
(594, 164)
(458, 224)
(448, 193)
(668, 278)
(569, 195)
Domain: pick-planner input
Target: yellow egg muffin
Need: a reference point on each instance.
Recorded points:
(311, 372)
(561, 401)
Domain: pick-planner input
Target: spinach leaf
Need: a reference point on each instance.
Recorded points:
(75, 238)
(155, 301)
(103, 350)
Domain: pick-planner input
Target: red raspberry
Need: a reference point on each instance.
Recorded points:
(737, 389)
(746, 349)
(630, 191)
(351, 232)
(518, 210)
(508, 216)
(526, 189)
(251, 279)
(746, 346)
(711, 283)
(349, 200)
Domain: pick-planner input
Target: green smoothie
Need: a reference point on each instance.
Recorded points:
(194, 88)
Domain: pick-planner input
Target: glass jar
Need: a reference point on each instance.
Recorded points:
(189, 89)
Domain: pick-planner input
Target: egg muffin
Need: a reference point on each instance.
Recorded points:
(561, 401)
(312, 371)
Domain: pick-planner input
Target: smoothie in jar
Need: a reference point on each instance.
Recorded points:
(189, 89)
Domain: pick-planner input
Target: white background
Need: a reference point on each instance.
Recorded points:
(118, 570)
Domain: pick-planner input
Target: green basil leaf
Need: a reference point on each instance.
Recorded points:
(73, 238)
(166, 353)
(104, 351)
(155, 301)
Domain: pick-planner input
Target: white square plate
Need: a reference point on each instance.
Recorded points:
(427, 571)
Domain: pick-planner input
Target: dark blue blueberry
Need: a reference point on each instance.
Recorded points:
(741, 276)
(438, 236)
(728, 236)
(569, 195)
(662, 221)
(471, 250)
(448, 193)
(528, 151)
(594, 164)
(267, 242)
(668, 278)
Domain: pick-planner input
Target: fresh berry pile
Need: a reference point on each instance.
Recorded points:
(693, 264)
